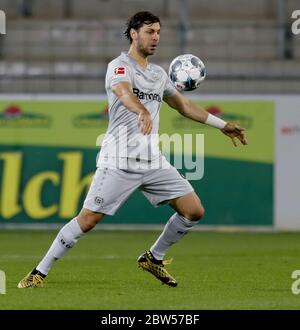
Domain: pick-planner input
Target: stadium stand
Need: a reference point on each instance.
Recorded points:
(64, 46)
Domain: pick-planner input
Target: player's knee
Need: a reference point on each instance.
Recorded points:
(196, 213)
(88, 219)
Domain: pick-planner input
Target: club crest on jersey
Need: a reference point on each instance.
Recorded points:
(120, 71)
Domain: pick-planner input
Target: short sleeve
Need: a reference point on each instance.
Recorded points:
(169, 89)
(118, 72)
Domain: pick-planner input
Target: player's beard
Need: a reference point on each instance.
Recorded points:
(147, 50)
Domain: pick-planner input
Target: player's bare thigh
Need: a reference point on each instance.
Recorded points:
(88, 219)
(188, 206)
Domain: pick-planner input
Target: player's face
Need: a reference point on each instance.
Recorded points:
(147, 38)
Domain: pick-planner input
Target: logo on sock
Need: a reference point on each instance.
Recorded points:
(182, 232)
(65, 244)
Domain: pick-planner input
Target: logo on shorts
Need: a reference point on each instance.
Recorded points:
(98, 200)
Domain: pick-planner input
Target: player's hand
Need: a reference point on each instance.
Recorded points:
(234, 131)
(145, 122)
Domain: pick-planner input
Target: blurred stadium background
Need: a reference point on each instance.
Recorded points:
(53, 59)
(63, 46)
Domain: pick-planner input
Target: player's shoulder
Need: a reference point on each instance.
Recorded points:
(121, 60)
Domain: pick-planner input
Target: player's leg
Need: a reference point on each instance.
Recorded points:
(108, 191)
(66, 238)
(189, 211)
(188, 206)
(88, 219)
(167, 185)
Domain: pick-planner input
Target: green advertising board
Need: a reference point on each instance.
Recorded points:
(48, 157)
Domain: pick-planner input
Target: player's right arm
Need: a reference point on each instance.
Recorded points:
(123, 91)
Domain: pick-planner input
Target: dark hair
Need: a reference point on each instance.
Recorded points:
(138, 20)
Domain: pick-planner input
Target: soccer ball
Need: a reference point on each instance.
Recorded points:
(187, 72)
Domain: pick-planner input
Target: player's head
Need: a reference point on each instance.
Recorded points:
(143, 30)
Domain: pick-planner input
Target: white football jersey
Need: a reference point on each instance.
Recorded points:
(123, 137)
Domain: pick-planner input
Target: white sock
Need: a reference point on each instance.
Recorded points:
(65, 239)
(174, 230)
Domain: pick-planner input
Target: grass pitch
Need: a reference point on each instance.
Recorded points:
(214, 270)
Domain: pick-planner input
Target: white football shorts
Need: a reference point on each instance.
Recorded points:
(111, 187)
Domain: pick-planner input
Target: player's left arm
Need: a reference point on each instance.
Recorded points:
(191, 110)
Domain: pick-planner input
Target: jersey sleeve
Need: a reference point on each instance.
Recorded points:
(118, 72)
(169, 89)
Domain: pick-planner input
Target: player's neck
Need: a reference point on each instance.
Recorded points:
(141, 60)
